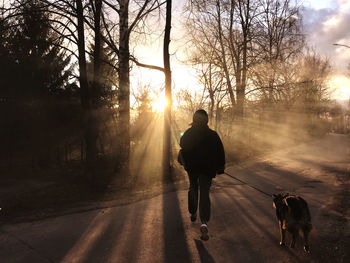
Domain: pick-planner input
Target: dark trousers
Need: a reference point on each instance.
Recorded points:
(204, 183)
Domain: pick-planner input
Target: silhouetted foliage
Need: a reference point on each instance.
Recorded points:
(144, 114)
(38, 100)
(35, 65)
(108, 84)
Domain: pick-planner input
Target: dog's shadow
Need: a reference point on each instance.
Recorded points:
(203, 252)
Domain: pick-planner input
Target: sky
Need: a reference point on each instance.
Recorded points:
(325, 22)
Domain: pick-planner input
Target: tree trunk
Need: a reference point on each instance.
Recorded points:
(90, 138)
(242, 83)
(92, 130)
(124, 82)
(240, 101)
(223, 53)
(97, 53)
(217, 117)
(84, 89)
(167, 113)
(245, 24)
(211, 94)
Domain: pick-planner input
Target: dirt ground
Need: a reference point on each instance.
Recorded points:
(153, 226)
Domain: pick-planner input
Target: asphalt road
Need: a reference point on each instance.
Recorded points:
(243, 227)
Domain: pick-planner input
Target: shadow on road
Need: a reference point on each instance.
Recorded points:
(175, 243)
(231, 228)
(203, 252)
(121, 241)
(264, 208)
(99, 238)
(319, 177)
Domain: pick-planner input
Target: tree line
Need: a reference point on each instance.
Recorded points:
(254, 51)
(65, 70)
(81, 50)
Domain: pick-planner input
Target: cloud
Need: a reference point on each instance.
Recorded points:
(327, 26)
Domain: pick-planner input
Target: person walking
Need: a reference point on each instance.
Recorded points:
(202, 155)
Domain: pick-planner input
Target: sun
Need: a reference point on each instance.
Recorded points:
(159, 104)
(341, 87)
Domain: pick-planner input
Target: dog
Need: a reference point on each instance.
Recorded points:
(293, 215)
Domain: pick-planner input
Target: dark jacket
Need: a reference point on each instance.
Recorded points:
(202, 151)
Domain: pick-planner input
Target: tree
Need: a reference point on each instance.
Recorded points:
(33, 49)
(144, 113)
(111, 17)
(224, 28)
(245, 40)
(207, 55)
(141, 9)
(313, 73)
(278, 40)
(7, 63)
(167, 72)
(35, 73)
(106, 93)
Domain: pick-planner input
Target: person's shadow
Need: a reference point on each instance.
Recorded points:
(203, 252)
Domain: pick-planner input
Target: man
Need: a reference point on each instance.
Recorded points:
(202, 155)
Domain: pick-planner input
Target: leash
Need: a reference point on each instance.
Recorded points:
(251, 186)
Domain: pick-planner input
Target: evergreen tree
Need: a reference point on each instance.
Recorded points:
(41, 67)
(7, 63)
(107, 92)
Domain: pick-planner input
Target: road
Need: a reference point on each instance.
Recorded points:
(243, 227)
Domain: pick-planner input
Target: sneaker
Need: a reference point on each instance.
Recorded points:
(193, 218)
(204, 231)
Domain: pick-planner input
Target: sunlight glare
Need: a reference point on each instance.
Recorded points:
(331, 23)
(341, 87)
(159, 104)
